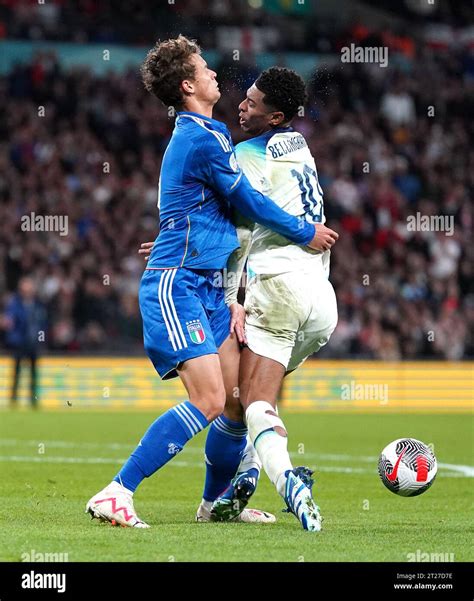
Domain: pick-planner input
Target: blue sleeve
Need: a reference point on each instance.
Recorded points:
(228, 179)
(262, 209)
(223, 170)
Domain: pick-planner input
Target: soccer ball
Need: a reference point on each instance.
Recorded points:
(407, 467)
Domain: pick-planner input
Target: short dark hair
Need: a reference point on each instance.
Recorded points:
(166, 66)
(283, 89)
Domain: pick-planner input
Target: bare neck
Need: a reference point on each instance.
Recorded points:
(199, 107)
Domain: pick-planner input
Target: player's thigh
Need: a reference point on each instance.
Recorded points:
(176, 328)
(316, 331)
(229, 350)
(272, 317)
(260, 378)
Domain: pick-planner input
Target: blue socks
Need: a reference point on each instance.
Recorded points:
(253, 473)
(225, 443)
(167, 436)
(162, 441)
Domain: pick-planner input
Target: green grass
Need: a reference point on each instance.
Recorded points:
(43, 496)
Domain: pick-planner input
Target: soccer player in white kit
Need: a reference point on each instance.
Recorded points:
(290, 306)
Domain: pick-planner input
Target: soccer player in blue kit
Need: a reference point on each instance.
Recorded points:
(185, 318)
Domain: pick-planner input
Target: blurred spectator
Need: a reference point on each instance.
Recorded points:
(25, 324)
(398, 106)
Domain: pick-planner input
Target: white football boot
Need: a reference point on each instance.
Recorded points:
(114, 504)
(299, 499)
(249, 516)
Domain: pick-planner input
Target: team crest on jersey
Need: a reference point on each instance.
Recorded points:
(196, 331)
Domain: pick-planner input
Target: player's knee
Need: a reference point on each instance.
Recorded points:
(215, 403)
(261, 416)
(233, 409)
(214, 410)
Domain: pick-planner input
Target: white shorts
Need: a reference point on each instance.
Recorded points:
(289, 316)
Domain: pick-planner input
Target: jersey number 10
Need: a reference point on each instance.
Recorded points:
(308, 182)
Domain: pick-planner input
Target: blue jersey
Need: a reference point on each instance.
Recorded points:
(200, 180)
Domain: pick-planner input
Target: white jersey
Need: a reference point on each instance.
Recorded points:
(290, 305)
(280, 165)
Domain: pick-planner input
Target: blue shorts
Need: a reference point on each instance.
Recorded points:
(184, 316)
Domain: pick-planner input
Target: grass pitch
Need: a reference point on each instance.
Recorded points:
(52, 462)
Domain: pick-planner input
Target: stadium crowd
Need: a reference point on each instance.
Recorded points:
(388, 144)
(138, 22)
(257, 24)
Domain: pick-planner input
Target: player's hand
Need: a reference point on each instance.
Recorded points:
(324, 238)
(145, 249)
(237, 322)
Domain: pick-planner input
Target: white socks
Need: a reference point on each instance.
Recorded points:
(207, 505)
(271, 446)
(250, 459)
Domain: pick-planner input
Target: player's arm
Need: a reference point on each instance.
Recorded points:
(263, 210)
(236, 264)
(229, 180)
(235, 269)
(237, 260)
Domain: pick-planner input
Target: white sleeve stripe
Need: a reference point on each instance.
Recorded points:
(218, 137)
(236, 181)
(223, 141)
